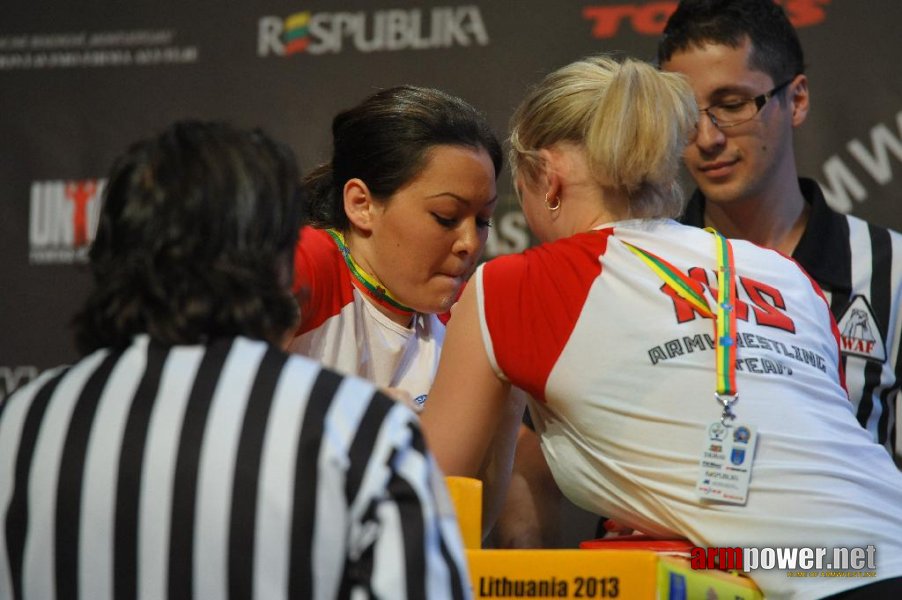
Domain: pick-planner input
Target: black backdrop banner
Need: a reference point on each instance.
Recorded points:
(79, 81)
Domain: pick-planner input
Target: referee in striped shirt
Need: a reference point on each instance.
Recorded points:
(186, 455)
(746, 65)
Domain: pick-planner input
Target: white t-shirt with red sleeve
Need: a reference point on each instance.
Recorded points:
(622, 370)
(346, 332)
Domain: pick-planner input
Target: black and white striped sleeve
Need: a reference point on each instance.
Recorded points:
(405, 541)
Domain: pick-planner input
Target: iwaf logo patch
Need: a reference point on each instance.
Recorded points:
(859, 333)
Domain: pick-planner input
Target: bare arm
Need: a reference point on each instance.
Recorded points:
(468, 421)
(531, 513)
(500, 464)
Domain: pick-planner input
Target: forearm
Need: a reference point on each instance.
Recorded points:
(496, 470)
(531, 511)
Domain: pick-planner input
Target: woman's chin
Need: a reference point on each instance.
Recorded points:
(438, 305)
(441, 297)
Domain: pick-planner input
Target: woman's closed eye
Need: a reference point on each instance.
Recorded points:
(452, 222)
(446, 222)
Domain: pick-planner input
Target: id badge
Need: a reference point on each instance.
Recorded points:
(726, 463)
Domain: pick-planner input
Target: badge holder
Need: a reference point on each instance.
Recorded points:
(725, 467)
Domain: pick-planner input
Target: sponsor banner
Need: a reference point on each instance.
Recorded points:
(509, 233)
(63, 220)
(85, 49)
(371, 31)
(874, 155)
(649, 18)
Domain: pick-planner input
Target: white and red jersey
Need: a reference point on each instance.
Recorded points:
(345, 331)
(623, 373)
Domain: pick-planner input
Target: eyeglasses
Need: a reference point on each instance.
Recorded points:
(733, 113)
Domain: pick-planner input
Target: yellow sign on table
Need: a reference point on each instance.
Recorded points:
(597, 573)
(630, 574)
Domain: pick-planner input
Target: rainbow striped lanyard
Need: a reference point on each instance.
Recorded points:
(365, 282)
(724, 317)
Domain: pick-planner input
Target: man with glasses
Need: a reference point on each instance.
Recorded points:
(745, 63)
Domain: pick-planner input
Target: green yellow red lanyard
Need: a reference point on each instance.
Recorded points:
(365, 282)
(724, 317)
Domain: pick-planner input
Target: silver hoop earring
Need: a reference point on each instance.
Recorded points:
(554, 207)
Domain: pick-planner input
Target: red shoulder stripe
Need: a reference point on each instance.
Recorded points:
(321, 280)
(532, 302)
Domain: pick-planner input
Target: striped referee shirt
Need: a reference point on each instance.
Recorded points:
(231, 470)
(859, 268)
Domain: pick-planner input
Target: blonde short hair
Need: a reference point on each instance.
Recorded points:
(632, 120)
